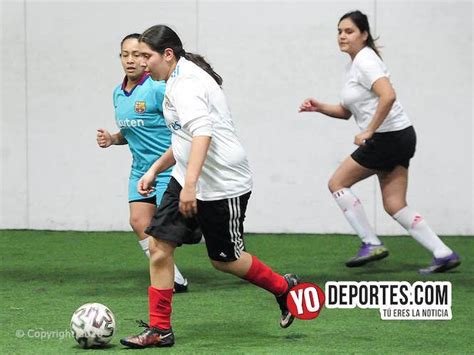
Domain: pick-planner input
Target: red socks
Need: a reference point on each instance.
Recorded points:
(261, 275)
(160, 307)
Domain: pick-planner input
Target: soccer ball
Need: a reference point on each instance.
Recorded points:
(93, 325)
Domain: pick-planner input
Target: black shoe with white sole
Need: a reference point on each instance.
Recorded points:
(286, 317)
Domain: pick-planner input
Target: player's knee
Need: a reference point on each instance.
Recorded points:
(392, 206)
(159, 255)
(219, 265)
(334, 184)
(216, 264)
(136, 223)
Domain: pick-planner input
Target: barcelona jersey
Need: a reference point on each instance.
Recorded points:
(139, 116)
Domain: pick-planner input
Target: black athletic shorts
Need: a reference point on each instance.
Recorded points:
(384, 151)
(151, 200)
(221, 222)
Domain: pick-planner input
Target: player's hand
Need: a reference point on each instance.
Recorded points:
(363, 137)
(310, 105)
(146, 184)
(187, 201)
(104, 138)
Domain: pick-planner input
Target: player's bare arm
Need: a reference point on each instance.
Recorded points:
(335, 111)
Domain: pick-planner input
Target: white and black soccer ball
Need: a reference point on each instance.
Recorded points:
(93, 325)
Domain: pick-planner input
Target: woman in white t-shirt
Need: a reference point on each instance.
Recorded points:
(210, 185)
(386, 144)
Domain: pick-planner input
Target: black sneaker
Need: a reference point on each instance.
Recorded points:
(180, 288)
(149, 337)
(286, 317)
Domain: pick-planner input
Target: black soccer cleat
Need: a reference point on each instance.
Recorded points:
(286, 317)
(149, 337)
(180, 288)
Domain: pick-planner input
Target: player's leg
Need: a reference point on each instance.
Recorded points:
(252, 269)
(394, 185)
(141, 213)
(169, 229)
(222, 225)
(162, 282)
(180, 282)
(160, 294)
(346, 175)
(141, 209)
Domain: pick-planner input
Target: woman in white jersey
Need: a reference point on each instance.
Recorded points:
(138, 90)
(386, 145)
(210, 184)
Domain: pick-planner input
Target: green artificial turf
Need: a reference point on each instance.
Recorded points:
(46, 275)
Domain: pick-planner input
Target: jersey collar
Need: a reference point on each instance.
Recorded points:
(145, 76)
(175, 72)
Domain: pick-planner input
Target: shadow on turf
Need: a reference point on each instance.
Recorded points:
(110, 346)
(250, 331)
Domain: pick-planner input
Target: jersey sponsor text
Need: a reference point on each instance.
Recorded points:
(130, 123)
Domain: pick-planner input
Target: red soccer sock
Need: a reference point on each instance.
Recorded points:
(160, 307)
(261, 275)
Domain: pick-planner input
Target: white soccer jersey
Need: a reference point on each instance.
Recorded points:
(195, 105)
(358, 98)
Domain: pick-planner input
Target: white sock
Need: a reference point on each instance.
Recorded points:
(355, 215)
(144, 245)
(421, 231)
(178, 278)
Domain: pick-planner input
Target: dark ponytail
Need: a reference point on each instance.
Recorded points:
(201, 62)
(160, 37)
(362, 23)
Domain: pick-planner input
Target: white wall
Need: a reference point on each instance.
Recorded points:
(60, 64)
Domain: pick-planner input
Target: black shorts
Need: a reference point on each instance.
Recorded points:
(384, 151)
(151, 200)
(221, 223)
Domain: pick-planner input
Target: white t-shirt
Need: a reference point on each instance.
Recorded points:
(358, 97)
(195, 105)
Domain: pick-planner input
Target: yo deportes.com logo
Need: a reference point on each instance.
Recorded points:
(305, 300)
(396, 300)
